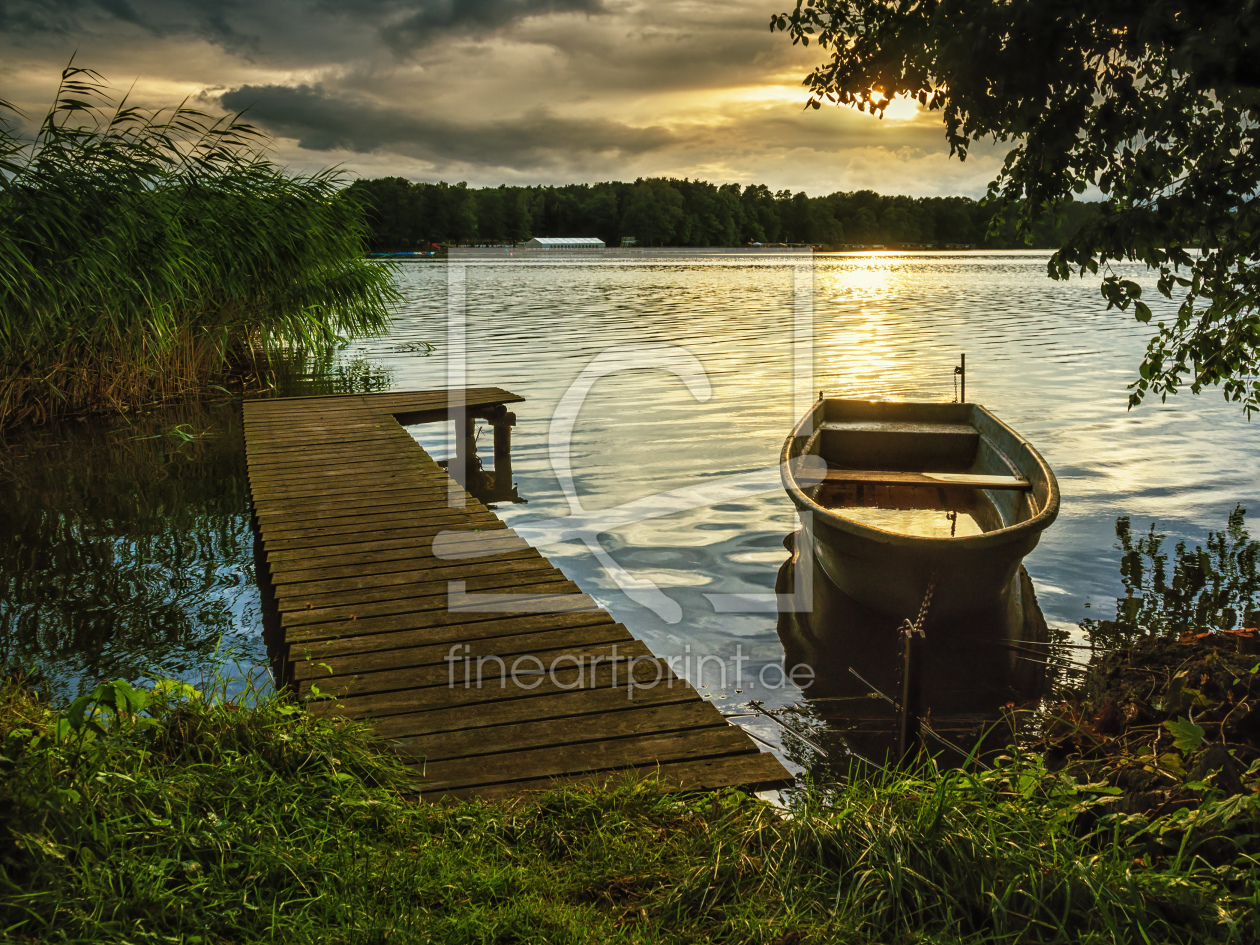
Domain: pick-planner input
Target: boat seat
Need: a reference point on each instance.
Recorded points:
(893, 444)
(914, 428)
(882, 477)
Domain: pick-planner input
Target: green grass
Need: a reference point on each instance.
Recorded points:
(144, 254)
(167, 816)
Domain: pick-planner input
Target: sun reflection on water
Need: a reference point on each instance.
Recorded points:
(860, 343)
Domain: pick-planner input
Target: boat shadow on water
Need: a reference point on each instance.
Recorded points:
(973, 668)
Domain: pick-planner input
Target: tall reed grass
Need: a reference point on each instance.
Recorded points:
(145, 253)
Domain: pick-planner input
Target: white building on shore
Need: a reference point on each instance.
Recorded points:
(565, 242)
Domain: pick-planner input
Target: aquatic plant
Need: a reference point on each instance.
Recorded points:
(172, 814)
(144, 253)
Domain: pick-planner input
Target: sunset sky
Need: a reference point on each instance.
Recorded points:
(495, 91)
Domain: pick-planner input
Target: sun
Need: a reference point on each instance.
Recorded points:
(902, 109)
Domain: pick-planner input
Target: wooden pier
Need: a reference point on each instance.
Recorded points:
(390, 589)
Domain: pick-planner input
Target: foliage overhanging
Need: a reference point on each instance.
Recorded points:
(1154, 102)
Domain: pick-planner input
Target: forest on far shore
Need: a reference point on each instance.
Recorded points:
(669, 212)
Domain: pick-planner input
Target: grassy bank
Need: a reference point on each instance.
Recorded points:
(144, 255)
(165, 815)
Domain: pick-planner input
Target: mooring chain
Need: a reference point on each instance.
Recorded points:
(917, 626)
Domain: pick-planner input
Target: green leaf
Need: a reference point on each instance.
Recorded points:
(1098, 787)
(1187, 736)
(177, 689)
(1171, 763)
(75, 712)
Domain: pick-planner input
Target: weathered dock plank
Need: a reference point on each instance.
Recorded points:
(417, 638)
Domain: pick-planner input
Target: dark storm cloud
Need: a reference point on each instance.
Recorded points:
(205, 19)
(321, 120)
(234, 24)
(431, 18)
(19, 17)
(481, 89)
(484, 14)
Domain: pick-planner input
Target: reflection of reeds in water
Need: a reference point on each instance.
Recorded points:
(303, 373)
(126, 548)
(142, 252)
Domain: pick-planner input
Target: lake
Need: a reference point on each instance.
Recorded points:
(127, 548)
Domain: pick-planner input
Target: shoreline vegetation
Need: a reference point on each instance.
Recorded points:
(407, 216)
(149, 255)
(1129, 813)
(168, 814)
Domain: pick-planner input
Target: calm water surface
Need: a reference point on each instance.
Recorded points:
(126, 549)
(1044, 356)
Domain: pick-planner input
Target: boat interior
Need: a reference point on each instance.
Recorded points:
(932, 470)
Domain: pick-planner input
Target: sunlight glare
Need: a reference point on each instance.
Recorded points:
(858, 357)
(901, 109)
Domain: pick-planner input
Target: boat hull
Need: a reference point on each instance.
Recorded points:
(890, 571)
(895, 578)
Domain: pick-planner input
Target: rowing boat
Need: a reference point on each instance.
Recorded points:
(916, 496)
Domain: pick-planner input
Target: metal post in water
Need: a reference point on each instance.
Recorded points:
(961, 372)
(910, 703)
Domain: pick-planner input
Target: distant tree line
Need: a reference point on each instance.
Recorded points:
(669, 212)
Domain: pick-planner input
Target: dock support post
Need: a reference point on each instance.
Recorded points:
(503, 420)
(466, 463)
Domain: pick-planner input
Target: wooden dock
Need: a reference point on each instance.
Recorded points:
(391, 587)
